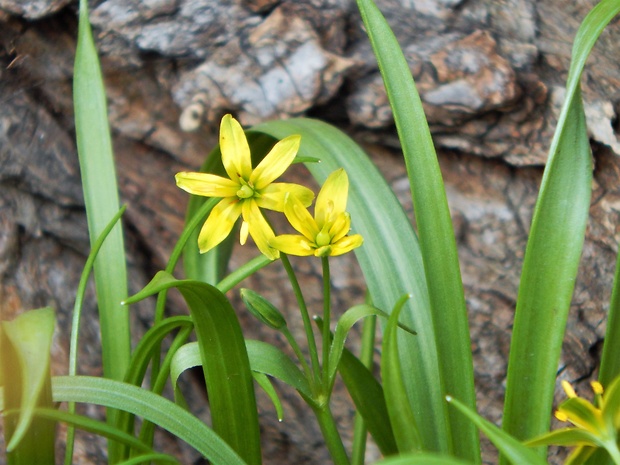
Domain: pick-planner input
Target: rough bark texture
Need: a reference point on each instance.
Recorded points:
(490, 74)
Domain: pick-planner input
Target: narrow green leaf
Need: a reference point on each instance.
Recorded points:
(435, 232)
(224, 359)
(148, 458)
(402, 417)
(101, 198)
(553, 252)
(511, 448)
(390, 260)
(610, 362)
(564, 437)
(345, 323)
(26, 344)
(368, 397)
(421, 459)
(157, 409)
(264, 382)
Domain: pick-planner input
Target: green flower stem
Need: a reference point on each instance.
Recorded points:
(304, 315)
(359, 427)
(331, 434)
(326, 319)
(300, 356)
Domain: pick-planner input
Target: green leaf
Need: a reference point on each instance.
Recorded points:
(510, 448)
(152, 407)
(263, 381)
(390, 260)
(564, 437)
(224, 359)
(553, 252)
(402, 417)
(345, 323)
(101, 198)
(368, 397)
(26, 343)
(264, 358)
(436, 235)
(421, 459)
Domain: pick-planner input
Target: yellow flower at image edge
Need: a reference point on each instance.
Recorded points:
(246, 190)
(326, 233)
(596, 425)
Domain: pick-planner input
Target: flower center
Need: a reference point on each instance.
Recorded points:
(245, 192)
(323, 238)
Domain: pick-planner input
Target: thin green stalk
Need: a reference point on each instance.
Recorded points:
(326, 320)
(75, 325)
(359, 427)
(245, 270)
(331, 434)
(303, 309)
(610, 362)
(300, 356)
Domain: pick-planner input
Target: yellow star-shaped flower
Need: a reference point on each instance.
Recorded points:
(246, 189)
(325, 234)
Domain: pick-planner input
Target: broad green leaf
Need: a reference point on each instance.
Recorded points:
(436, 235)
(421, 459)
(402, 418)
(26, 343)
(264, 358)
(344, 325)
(553, 252)
(224, 359)
(143, 403)
(510, 448)
(390, 259)
(101, 198)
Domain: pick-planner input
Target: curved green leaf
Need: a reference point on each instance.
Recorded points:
(344, 325)
(264, 382)
(264, 358)
(421, 459)
(224, 359)
(553, 253)
(401, 415)
(157, 409)
(510, 448)
(26, 344)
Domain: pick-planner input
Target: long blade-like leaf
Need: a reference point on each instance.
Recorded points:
(435, 231)
(143, 403)
(26, 344)
(224, 359)
(390, 260)
(101, 198)
(553, 253)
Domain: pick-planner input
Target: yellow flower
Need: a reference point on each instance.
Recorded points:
(246, 189)
(596, 424)
(326, 233)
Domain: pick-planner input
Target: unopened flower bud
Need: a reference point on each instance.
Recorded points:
(262, 309)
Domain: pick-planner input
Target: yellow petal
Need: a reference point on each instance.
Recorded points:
(332, 198)
(219, 224)
(300, 218)
(340, 227)
(236, 155)
(208, 185)
(272, 197)
(293, 244)
(275, 163)
(259, 229)
(346, 244)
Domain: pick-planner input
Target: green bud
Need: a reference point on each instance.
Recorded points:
(262, 309)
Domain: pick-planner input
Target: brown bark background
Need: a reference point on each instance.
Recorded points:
(490, 73)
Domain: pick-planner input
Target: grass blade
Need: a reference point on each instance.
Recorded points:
(553, 252)
(143, 403)
(101, 199)
(435, 232)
